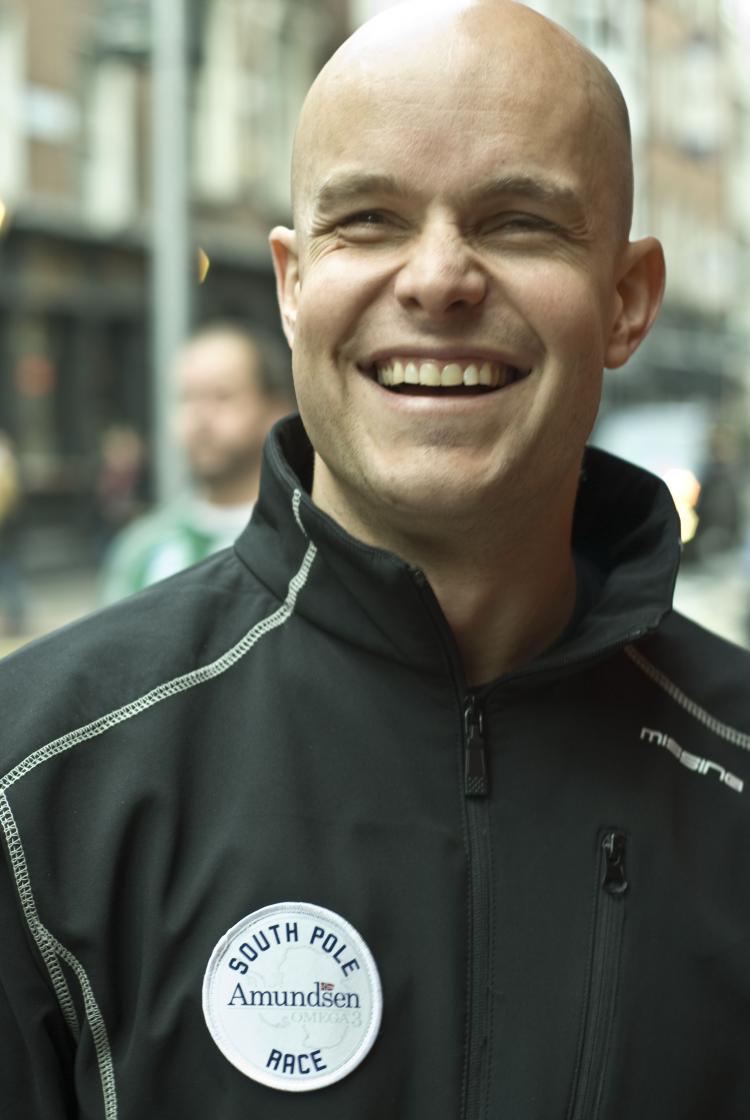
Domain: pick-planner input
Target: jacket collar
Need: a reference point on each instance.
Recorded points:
(625, 524)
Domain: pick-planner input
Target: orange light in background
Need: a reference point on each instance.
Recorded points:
(35, 376)
(203, 265)
(3, 215)
(685, 490)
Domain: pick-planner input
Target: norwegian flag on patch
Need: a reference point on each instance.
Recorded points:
(325, 987)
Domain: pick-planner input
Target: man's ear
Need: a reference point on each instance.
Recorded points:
(283, 244)
(640, 289)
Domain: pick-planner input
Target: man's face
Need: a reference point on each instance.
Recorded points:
(453, 226)
(221, 417)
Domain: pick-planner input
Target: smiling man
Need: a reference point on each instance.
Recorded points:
(420, 802)
(459, 275)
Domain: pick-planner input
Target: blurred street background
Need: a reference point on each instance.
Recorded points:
(144, 151)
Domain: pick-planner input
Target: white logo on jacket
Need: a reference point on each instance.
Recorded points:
(693, 761)
(292, 997)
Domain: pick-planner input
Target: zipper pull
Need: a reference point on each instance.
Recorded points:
(615, 881)
(476, 780)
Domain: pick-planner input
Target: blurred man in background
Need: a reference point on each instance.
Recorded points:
(231, 386)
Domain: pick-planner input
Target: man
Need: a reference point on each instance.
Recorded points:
(415, 803)
(229, 394)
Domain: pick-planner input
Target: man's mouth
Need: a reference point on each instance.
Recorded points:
(460, 375)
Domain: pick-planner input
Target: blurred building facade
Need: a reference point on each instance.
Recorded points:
(75, 209)
(683, 66)
(75, 205)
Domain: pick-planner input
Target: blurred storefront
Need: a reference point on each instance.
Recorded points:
(75, 216)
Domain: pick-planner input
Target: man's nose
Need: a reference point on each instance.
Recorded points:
(442, 274)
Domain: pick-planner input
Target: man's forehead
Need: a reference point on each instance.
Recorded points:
(476, 58)
(484, 60)
(390, 138)
(216, 356)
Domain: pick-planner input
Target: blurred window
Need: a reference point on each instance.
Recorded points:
(12, 77)
(109, 171)
(691, 107)
(597, 22)
(257, 63)
(219, 107)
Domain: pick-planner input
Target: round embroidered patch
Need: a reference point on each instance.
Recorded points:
(292, 997)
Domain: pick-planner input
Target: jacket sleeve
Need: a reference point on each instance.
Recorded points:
(36, 1047)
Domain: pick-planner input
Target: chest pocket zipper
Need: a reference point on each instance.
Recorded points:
(602, 983)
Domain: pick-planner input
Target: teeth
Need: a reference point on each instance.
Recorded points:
(399, 371)
(429, 374)
(452, 375)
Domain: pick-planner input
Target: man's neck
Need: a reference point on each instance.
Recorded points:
(504, 615)
(505, 581)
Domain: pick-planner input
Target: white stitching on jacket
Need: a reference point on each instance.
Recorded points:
(723, 730)
(50, 949)
(98, 1027)
(296, 501)
(23, 885)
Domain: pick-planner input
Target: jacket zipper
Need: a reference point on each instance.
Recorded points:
(476, 789)
(475, 786)
(476, 780)
(609, 919)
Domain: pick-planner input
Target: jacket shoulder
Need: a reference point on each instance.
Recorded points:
(702, 672)
(93, 666)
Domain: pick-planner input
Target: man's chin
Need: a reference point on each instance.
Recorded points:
(431, 497)
(209, 474)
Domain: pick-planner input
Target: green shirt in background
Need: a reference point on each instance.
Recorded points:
(166, 540)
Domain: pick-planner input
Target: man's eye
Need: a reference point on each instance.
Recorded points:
(519, 223)
(363, 218)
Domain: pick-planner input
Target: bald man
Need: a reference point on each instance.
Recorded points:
(420, 803)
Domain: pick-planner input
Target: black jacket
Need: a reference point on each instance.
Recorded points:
(551, 875)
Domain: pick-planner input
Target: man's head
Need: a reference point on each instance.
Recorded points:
(462, 187)
(230, 390)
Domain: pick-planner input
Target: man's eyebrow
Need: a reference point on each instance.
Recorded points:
(536, 188)
(345, 187)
